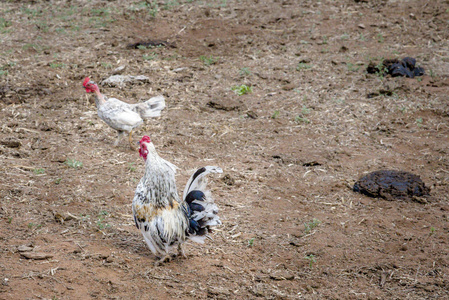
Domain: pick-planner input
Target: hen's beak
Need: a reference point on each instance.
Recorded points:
(88, 84)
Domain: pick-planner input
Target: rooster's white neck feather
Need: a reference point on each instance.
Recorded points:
(160, 174)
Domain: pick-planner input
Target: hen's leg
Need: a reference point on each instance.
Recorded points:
(120, 133)
(130, 139)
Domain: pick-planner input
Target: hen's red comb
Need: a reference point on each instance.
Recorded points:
(86, 80)
(145, 139)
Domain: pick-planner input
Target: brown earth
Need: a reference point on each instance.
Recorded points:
(291, 149)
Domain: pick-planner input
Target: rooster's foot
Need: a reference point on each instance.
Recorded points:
(181, 251)
(166, 258)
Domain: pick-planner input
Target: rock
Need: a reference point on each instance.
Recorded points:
(278, 276)
(228, 180)
(177, 70)
(361, 26)
(36, 255)
(59, 157)
(121, 80)
(151, 44)
(343, 49)
(11, 143)
(25, 248)
(251, 114)
(62, 217)
(213, 292)
(225, 104)
(288, 87)
(44, 126)
(118, 70)
(311, 163)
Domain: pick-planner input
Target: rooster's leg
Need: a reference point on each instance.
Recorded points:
(181, 251)
(120, 133)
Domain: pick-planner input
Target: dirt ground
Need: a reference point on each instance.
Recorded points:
(311, 123)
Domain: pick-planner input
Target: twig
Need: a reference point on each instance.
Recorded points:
(228, 268)
(24, 167)
(182, 29)
(236, 235)
(27, 130)
(233, 228)
(76, 243)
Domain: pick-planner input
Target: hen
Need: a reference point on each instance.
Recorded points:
(122, 116)
(165, 220)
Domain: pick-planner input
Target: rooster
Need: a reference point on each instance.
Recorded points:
(164, 219)
(122, 116)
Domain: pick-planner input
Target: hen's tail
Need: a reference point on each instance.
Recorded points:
(201, 209)
(150, 108)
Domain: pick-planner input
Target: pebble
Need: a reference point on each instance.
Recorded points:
(118, 70)
(282, 276)
(25, 248)
(36, 255)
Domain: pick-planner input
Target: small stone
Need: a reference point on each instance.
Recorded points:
(121, 80)
(118, 70)
(11, 143)
(36, 255)
(228, 180)
(177, 70)
(213, 292)
(289, 87)
(343, 49)
(251, 114)
(25, 248)
(109, 259)
(64, 216)
(282, 276)
(225, 104)
(361, 26)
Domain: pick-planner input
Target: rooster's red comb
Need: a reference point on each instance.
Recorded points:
(145, 139)
(86, 80)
